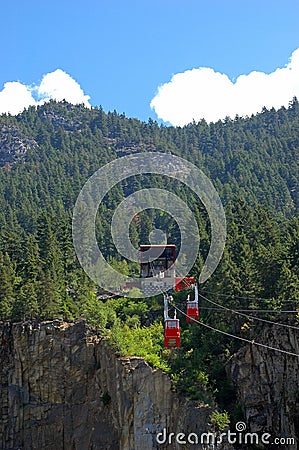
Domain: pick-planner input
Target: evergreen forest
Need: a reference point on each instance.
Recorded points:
(48, 152)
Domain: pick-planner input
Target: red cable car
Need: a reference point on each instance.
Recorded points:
(192, 307)
(192, 311)
(172, 333)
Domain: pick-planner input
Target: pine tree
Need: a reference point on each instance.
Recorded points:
(7, 286)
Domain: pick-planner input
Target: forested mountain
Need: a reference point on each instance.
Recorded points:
(48, 153)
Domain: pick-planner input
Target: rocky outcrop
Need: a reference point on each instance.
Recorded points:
(268, 384)
(13, 146)
(63, 387)
(58, 120)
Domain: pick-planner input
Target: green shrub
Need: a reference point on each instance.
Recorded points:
(220, 420)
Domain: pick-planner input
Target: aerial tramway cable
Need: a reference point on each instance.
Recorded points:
(248, 316)
(252, 342)
(216, 330)
(248, 297)
(241, 312)
(294, 311)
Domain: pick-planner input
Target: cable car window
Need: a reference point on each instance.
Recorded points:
(172, 324)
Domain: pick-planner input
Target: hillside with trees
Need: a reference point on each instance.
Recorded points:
(48, 153)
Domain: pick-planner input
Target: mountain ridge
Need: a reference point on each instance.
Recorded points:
(256, 155)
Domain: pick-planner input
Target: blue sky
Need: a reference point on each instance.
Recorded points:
(121, 51)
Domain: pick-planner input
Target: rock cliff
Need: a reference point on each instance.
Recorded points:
(268, 384)
(62, 387)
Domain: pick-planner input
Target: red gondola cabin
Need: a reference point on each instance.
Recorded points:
(192, 311)
(172, 333)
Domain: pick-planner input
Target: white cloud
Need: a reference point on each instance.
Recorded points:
(203, 93)
(57, 85)
(15, 97)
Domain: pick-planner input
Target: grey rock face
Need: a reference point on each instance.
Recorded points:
(268, 383)
(63, 387)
